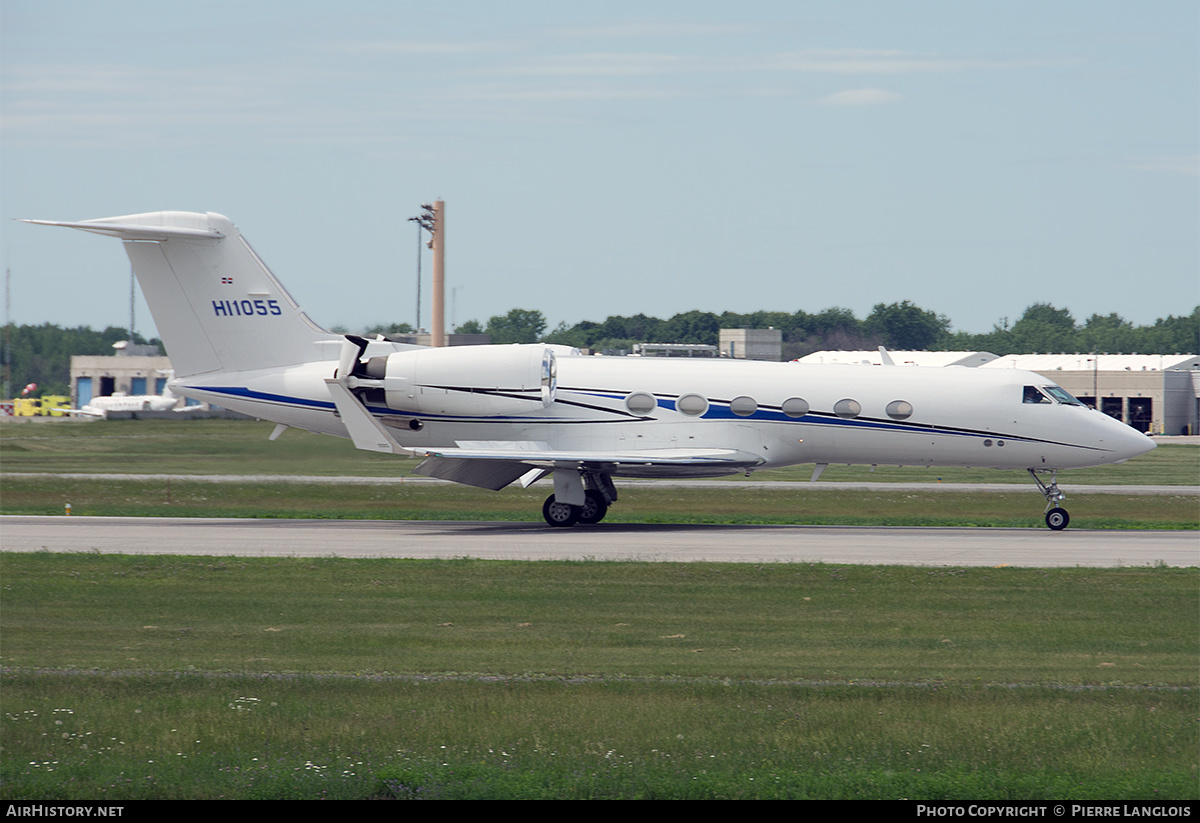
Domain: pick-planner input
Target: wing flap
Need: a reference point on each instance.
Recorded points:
(538, 456)
(483, 474)
(495, 464)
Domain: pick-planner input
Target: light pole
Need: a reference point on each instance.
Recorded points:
(433, 220)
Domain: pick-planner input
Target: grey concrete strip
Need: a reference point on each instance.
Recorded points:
(654, 543)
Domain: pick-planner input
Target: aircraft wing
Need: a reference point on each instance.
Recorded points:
(495, 464)
(78, 412)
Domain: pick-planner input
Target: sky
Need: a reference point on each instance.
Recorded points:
(616, 158)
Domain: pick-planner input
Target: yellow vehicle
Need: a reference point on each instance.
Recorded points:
(51, 405)
(27, 407)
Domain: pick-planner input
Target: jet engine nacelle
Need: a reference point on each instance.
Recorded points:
(472, 381)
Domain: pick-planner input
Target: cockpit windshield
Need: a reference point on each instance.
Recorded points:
(1049, 394)
(1061, 395)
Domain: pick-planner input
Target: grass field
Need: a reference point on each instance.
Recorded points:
(182, 677)
(134, 677)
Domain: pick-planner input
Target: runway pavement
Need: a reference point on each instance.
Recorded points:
(657, 543)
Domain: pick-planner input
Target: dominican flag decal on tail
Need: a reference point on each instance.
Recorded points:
(227, 281)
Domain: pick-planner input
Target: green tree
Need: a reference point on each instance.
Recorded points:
(834, 320)
(578, 335)
(42, 354)
(1107, 333)
(833, 328)
(388, 329)
(1172, 335)
(905, 326)
(694, 327)
(1043, 328)
(639, 327)
(518, 326)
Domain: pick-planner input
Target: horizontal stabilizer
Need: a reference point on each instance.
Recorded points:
(133, 231)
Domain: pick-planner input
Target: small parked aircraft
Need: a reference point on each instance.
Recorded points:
(488, 416)
(102, 406)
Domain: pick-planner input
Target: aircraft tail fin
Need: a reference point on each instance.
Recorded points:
(216, 304)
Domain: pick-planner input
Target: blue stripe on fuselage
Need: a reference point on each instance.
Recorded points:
(716, 411)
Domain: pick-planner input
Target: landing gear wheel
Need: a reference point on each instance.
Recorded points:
(1057, 519)
(594, 508)
(1056, 516)
(560, 514)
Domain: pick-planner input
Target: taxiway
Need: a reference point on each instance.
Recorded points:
(1033, 547)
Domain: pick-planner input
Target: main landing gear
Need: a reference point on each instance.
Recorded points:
(599, 493)
(1056, 516)
(564, 514)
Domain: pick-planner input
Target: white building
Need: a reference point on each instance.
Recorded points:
(751, 344)
(133, 371)
(95, 376)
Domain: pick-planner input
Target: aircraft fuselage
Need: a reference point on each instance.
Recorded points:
(782, 413)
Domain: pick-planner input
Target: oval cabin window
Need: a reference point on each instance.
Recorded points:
(795, 407)
(641, 403)
(847, 408)
(899, 410)
(693, 405)
(743, 406)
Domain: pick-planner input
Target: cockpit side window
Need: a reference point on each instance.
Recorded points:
(1032, 395)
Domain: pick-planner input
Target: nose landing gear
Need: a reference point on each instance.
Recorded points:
(1056, 516)
(1057, 519)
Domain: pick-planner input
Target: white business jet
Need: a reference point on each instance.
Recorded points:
(101, 407)
(488, 416)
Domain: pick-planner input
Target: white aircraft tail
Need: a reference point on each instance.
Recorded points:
(216, 304)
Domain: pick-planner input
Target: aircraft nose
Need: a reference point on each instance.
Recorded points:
(1127, 442)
